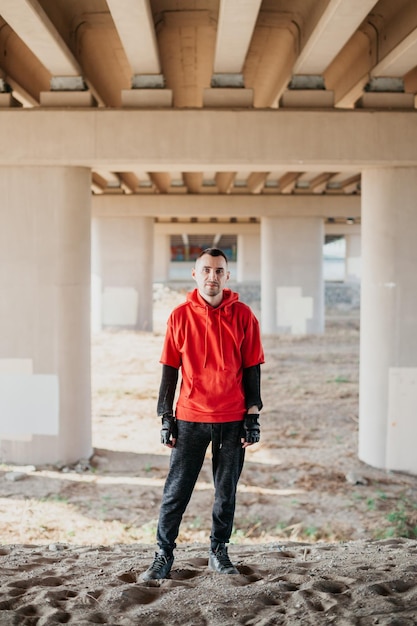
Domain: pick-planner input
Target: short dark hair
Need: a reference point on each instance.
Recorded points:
(213, 252)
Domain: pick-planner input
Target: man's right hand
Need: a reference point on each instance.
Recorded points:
(169, 430)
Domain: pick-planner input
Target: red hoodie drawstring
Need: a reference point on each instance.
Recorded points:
(220, 338)
(205, 339)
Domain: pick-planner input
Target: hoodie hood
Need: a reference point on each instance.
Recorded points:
(229, 297)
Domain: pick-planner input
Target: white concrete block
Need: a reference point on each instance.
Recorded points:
(28, 405)
(293, 310)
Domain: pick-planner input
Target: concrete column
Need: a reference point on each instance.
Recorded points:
(96, 288)
(353, 258)
(248, 264)
(161, 257)
(45, 392)
(388, 352)
(292, 286)
(126, 251)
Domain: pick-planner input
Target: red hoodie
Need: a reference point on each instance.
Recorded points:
(212, 345)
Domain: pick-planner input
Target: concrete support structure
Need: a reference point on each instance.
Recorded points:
(388, 353)
(45, 396)
(96, 317)
(161, 257)
(292, 299)
(353, 263)
(183, 140)
(248, 264)
(126, 272)
(45, 250)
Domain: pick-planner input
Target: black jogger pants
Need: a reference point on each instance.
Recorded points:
(186, 462)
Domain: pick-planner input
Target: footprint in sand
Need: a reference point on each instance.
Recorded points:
(317, 601)
(247, 576)
(127, 577)
(139, 594)
(62, 595)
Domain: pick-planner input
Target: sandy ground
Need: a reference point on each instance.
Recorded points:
(319, 537)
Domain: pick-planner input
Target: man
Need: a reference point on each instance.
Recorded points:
(215, 340)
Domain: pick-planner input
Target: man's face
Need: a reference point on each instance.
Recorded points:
(211, 275)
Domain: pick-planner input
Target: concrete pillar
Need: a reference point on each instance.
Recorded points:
(45, 392)
(353, 258)
(96, 288)
(161, 257)
(292, 286)
(248, 264)
(388, 351)
(126, 252)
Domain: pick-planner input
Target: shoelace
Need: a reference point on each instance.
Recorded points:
(223, 558)
(159, 562)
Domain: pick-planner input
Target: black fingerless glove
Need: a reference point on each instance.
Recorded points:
(251, 428)
(169, 428)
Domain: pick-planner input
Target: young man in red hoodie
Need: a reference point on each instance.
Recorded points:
(215, 340)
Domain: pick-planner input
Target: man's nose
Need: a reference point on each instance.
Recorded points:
(212, 274)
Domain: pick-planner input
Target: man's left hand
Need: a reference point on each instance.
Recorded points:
(251, 430)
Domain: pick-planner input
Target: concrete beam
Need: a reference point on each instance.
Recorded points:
(401, 60)
(342, 229)
(206, 207)
(200, 228)
(239, 228)
(35, 28)
(134, 23)
(336, 25)
(237, 21)
(209, 141)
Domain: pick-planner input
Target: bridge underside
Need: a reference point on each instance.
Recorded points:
(127, 121)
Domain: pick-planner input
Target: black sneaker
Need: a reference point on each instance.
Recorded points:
(160, 567)
(219, 561)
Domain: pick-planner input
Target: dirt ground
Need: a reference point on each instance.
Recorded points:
(314, 526)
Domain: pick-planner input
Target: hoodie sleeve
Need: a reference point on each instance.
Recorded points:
(170, 354)
(252, 350)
